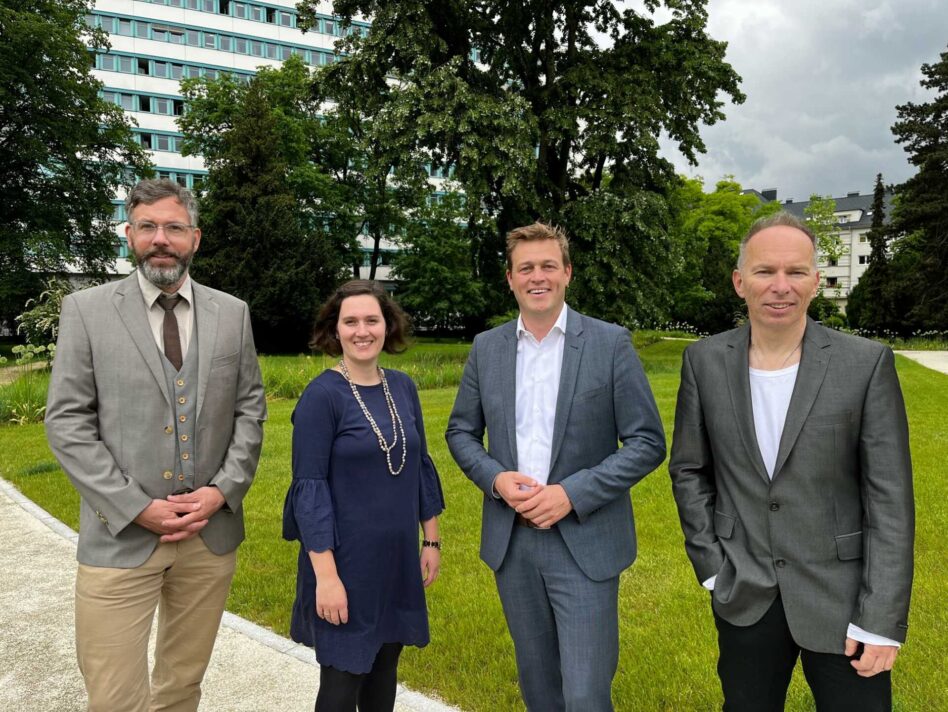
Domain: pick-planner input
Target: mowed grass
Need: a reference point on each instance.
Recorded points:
(668, 654)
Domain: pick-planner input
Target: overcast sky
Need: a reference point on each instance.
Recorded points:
(822, 79)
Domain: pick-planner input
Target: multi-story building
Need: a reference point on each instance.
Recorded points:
(156, 43)
(853, 215)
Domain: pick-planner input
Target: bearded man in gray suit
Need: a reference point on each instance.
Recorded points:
(556, 392)
(791, 470)
(155, 412)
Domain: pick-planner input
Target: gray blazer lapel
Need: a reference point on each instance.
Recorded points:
(738, 381)
(206, 324)
(507, 378)
(130, 304)
(813, 363)
(572, 355)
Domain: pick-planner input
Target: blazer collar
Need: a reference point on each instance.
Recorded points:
(572, 356)
(130, 304)
(206, 324)
(814, 361)
(813, 364)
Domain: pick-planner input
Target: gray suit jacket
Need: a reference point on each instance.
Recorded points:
(108, 410)
(833, 532)
(603, 398)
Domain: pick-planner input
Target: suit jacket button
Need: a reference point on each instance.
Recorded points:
(167, 474)
(780, 563)
(774, 506)
(169, 429)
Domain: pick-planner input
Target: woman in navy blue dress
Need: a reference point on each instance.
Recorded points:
(362, 484)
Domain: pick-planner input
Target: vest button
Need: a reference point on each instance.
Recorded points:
(182, 400)
(167, 474)
(182, 418)
(181, 478)
(180, 381)
(185, 456)
(184, 438)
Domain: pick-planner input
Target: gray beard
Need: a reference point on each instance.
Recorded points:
(165, 276)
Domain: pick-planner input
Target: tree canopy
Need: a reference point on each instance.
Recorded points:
(919, 265)
(63, 149)
(707, 233)
(546, 110)
(267, 207)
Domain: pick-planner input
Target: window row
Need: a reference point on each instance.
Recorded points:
(261, 13)
(385, 258)
(145, 103)
(174, 34)
(129, 64)
(153, 141)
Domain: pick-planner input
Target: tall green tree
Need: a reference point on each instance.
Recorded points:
(870, 304)
(548, 110)
(374, 190)
(920, 219)
(434, 268)
(266, 206)
(63, 150)
(707, 234)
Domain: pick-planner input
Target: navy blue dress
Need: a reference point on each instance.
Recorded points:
(343, 498)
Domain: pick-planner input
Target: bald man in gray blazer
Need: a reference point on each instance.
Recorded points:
(791, 470)
(155, 412)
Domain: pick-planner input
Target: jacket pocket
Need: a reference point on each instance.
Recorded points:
(724, 525)
(849, 546)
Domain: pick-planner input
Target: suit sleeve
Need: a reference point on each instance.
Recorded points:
(466, 425)
(72, 428)
(639, 429)
(889, 508)
(237, 470)
(692, 474)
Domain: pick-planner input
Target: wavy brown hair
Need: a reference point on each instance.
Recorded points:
(397, 326)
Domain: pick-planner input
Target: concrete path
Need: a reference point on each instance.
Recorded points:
(252, 669)
(935, 360)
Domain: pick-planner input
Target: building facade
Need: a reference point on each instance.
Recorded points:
(157, 43)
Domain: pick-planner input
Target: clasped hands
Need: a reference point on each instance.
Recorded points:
(544, 505)
(181, 516)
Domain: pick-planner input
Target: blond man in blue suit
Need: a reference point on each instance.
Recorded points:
(555, 392)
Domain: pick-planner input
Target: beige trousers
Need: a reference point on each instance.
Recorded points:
(114, 611)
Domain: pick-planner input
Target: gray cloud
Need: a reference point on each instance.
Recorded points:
(822, 79)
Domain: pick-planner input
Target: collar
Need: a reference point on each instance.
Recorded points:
(560, 323)
(151, 293)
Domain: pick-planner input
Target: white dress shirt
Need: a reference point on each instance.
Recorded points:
(539, 364)
(156, 315)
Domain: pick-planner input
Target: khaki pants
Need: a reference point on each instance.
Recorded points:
(114, 611)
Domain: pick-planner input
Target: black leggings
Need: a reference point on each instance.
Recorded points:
(374, 691)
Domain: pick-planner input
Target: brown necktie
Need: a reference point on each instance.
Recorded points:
(170, 329)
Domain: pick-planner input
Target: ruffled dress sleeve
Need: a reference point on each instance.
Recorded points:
(431, 497)
(308, 515)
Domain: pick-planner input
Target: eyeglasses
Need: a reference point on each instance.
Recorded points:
(146, 228)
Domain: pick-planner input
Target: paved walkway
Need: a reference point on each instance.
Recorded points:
(252, 669)
(935, 360)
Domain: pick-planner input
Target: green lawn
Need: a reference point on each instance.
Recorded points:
(668, 643)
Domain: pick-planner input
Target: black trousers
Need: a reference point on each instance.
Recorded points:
(374, 691)
(756, 663)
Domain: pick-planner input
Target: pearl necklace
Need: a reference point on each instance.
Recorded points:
(393, 413)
